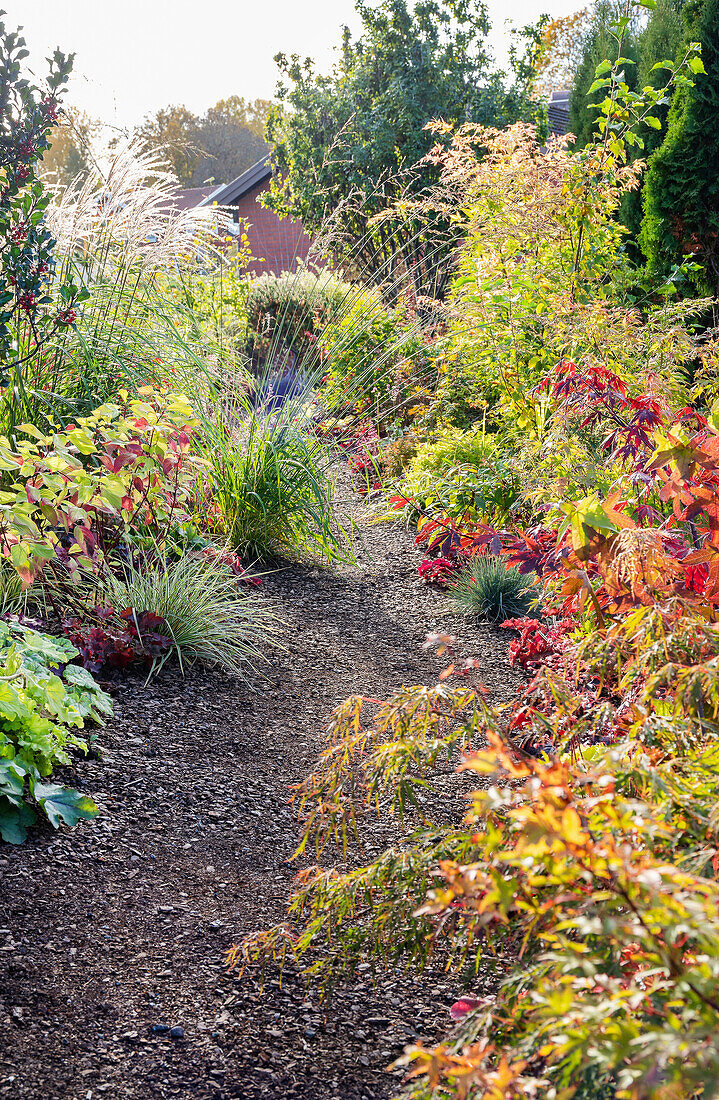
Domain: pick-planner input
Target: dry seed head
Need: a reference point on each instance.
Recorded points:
(128, 202)
(640, 561)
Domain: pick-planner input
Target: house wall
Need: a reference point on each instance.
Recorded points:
(277, 243)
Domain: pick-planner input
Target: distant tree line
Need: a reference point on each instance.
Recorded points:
(214, 147)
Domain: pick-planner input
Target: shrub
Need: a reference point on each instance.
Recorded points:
(197, 604)
(44, 698)
(285, 313)
(485, 587)
(72, 497)
(467, 494)
(598, 42)
(680, 194)
(452, 448)
(37, 305)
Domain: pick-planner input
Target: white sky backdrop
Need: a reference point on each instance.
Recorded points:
(134, 56)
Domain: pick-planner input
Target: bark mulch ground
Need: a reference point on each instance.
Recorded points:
(113, 933)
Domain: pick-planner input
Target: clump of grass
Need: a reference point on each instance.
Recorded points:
(207, 616)
(485, 588)
(273, 493)
(12, 596)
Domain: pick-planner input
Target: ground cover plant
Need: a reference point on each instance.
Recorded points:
(45, 701)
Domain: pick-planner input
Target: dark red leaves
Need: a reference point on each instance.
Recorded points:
(138, 638)
(537, 641)
(436, 570)
(535, 551)
(596, 395)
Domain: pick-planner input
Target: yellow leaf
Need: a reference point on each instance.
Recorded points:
(572, 827)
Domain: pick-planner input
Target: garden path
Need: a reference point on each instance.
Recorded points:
(115, 932)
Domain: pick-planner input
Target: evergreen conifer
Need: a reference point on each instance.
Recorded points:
(681, 194)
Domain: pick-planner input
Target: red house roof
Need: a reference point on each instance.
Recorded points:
(190, 197)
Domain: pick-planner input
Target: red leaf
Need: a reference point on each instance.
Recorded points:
(465, 1005)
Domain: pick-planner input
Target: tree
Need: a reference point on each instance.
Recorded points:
(174, 130)
(663, 38)
(561, 51)
(214, 147)
(351, 145)
(599, 43)
(230, 139)
(681, 204)
(68, 156)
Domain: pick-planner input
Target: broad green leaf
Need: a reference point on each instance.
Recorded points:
(82, 439)
(57, 650)
(12, 706)
(76, 674)
(63, 804)
(14, 821)
(30, 429)
(12, 780)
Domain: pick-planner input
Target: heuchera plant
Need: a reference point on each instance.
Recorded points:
(143, 638)
(45, 700)
(538, 642)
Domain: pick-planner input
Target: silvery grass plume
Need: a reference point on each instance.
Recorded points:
(121, 236)
(125, 210)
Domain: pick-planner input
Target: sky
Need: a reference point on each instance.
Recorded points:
(134, 56)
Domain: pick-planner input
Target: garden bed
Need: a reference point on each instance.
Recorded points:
(116, 931)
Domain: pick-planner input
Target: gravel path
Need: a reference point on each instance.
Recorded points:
(113, 933)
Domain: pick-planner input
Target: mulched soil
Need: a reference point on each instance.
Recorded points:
(115, 931)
